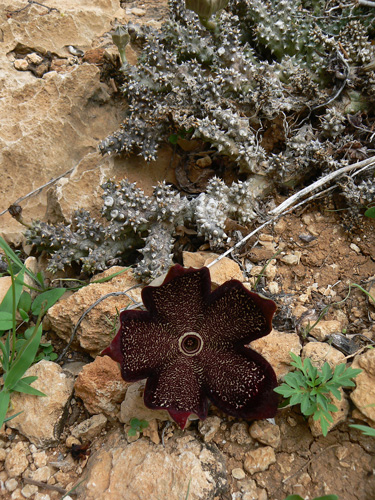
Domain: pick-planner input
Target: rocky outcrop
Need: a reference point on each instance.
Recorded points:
(143, 470)
(42, 418)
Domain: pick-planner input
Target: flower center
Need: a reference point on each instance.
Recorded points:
(190, 343)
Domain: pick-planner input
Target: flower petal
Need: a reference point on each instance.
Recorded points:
(180, 300)
(142, 345)
(176, 387)
(240, 382)
(236, 316)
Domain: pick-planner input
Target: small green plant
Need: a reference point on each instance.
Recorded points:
(370, 212)
(325, 497)
(310, 388)
(21, 329)
(366, 430)
(137, 425)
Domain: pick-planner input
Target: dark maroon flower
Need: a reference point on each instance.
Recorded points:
(190, 345)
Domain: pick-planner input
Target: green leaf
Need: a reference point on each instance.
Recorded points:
(16, 260)
(25, 302)
(285, 390)
(24, 386)
(326, 372)
(144, 424)
(7, 302)
(305, 404)
(4, 405)
(49, 297)
(367, 431)
(296, 399)
(322, 401)
(294, 497)
(6, 321)
(24, 315)
(335, 392)
(24, 359)
(370, 212)
(132, 431)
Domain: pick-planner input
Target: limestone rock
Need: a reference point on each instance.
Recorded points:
(90, 428)
(95, 331)
(259, 460)
(133, 406)
(324, 328)
(101, 387)
(142, 470)
(224, 270)
(338, 416)
(16, 461)
(276, 347)
(239, 433)
(320, 352)
(49, 123)
(266, 433)
(363, 395)
(209, 428)
(42, 418)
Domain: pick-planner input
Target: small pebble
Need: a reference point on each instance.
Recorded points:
(238, 473)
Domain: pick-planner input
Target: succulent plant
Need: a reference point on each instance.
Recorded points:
(190, 345)
(147, 224)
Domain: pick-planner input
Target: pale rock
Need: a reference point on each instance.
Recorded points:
(17, 495)
(276, 347)
(224, 270)
(49, 123)
(266, 433)
(21, 65)
(40, 458)
(34, 58)
(320, 352)
(43, 474)
(43, 418)
(29, 490)
(138, 12)
(152, 431)
(94, 333)
(238, 473)
(209, 427)
(90, 428)
(5, 284)
(249, 489)
(101, 387)
(45, 496)
(16, 461)
(197, 259)
(142, 470)
(324, 328)
(269, 272)
(239, 433)
(46, 114)
(11, 484)
(259, 460)
(273, 287)
(264, 237)
(355, 248)
(291, 259)
(363, 395)
(133, 406)
(3, 454)
(338, 416)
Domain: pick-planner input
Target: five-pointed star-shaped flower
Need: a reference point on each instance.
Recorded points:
(190, 345)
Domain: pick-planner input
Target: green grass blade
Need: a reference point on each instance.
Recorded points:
(24, 358)
(4, 405)
(23, 386)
